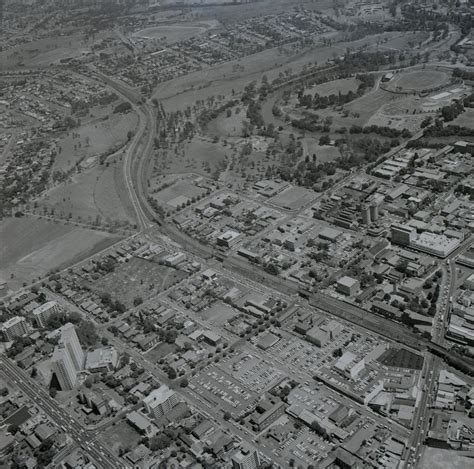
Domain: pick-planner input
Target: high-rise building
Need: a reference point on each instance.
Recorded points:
(70, 340)
(14, 327)
(365, 212)
(403, 234)
(63, 367)
(374, 211)
(68, 357)
(160, 401)
(44, 311)
(246, 458)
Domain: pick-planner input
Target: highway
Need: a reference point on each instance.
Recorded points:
(93, 448)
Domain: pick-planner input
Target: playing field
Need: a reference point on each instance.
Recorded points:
(172, 33)
(419, 80)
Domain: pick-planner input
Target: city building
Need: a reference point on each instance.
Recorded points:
(14, 327)
(246, 458)
(348, 286)
(403, 234)
(436, 244)
(160, 401)
(102, 360)
(44, 311)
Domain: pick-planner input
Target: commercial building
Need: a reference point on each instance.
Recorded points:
(403, 234)
(102, 360)
(229, 238)
(160, 401)
(246, 458)
(348, 286)
(436, 244)
(14, 327)
(44, 311)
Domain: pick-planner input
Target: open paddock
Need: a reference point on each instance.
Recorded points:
(33, 247)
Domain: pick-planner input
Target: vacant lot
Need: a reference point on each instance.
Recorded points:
(137, 278)
(160, 351)
(121, 436)
(32, 247)
(401, 358)
(436, 458)
(218, 314)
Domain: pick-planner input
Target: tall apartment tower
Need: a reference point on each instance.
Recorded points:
(63, 367)
(246, 458)
(68, 357)
(71, 342)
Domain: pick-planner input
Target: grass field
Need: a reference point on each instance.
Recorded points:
(419, 80)
(91, 194)
(32, 247)
(171, 194)
(44, 51)
(222, 79)
(343, 86)
(137, 278)
(94, 139)
(200, 154)
(466, 119)
(293, 198)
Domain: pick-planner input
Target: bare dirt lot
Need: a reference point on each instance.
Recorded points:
(32, 247)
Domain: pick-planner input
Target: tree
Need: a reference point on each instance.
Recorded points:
(137, 301)
(183, 383)
(86, 333)
(158, 442)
